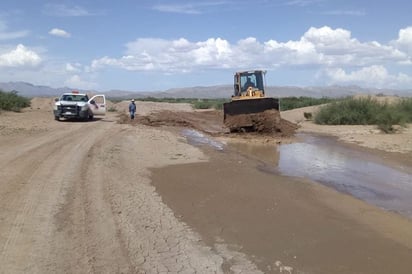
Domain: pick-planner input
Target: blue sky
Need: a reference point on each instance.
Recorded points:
(161, 44)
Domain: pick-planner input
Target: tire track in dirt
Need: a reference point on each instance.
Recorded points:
(86, 215)
(68, 250)
(80, 201)
(147, 230)
(115, 257)
(43, 170)
(20, 161)
(20, 189)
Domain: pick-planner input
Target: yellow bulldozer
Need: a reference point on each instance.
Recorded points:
(249, 108)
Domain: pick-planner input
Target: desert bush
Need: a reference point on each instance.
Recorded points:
(405, 106)
(196, 103)
(387, 119)
(307, 115)
(288, 103)
(12, 102)
(366, 111)
(167, 100)
(362, 111)
(209, 103)
(112, 109)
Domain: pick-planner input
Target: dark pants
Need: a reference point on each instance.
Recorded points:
(132, 115)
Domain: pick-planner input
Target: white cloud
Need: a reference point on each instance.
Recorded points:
(372, 76)
(189, 8)
(404, 41)
(170, 56)
(78, 76)
(62, 10)
(76, 81)
(20, 57)
(173, 8)
(7, 35)
(344, 12)
(333, 53)
(302, 3)
(76, 67)
(318, 47)
(59, 33)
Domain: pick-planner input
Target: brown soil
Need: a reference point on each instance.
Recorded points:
(78, 197)
(283, 223)
(264, 125)
(210, 122)
(266, 122)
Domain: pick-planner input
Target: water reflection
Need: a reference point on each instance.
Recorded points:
(350, 171)
(268, 154)
(326, 161)
(195, 137)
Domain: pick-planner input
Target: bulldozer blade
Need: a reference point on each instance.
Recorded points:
(250, 106)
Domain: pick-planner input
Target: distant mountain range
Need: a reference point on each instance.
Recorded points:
(220, 91)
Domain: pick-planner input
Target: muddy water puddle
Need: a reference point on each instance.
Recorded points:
(197, 138)
(350, 171)
(326, 161)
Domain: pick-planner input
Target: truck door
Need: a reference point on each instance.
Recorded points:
(98, 104)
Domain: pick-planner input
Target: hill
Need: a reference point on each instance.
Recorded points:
(218, 91)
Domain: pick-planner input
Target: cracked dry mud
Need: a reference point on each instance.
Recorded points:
(77, 197)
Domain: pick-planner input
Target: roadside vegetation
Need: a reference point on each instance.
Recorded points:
(338, 111)
(288, 103)
(366, 111)
(196, 103)
(11, 101)
(112, 109)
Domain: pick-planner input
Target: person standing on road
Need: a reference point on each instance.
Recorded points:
(132, 109)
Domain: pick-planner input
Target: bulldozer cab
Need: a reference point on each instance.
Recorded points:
(249, 79)
(249, 109)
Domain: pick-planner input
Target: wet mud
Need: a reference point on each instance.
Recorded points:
(267, 124)
(358, 173)
(243, 199)
(281, 221)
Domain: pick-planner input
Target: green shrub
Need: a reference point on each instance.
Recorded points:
(209, 103)
(202, 104)
(12, 102)
(307, 115)
(196, 103)
(366, 111)
(386, 120)
(288, 103)
(112, 109)
(405, 107)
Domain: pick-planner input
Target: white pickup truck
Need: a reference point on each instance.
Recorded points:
(78, 105)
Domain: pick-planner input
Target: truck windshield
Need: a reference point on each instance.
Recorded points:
(75, 98)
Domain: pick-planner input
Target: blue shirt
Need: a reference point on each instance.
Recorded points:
(132, 107)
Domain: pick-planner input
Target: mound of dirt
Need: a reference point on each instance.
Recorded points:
(268, 121)
(40, 103)
(148, 108)
(166, 118)
(125, 119)
(211, 122)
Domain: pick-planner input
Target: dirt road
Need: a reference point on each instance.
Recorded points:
(77, 197)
